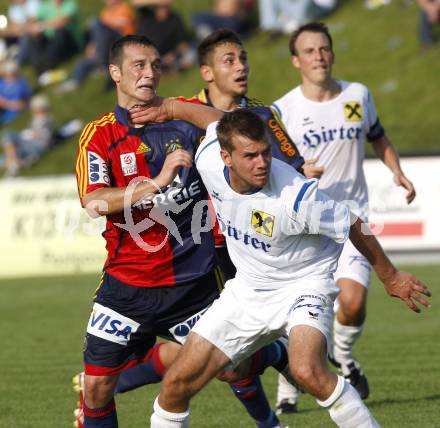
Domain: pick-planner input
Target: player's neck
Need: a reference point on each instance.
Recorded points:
(222, 101)
(240, 186)
(321, 92)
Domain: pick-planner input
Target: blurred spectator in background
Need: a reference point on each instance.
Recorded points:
(26, 147)
(14, 92)
(116, 19)
(20, 14)
(165, 28)
(285, 16)
(56, 36)
(232, 14)
(429, 17)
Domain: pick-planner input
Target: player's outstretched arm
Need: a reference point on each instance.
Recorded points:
(397, 283)
(385, 151)
(163, 109)
(111, 200)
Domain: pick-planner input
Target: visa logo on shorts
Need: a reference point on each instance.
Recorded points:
(180, 331)
(109, 325)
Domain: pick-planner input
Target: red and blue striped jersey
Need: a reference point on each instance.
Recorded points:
(172, 248)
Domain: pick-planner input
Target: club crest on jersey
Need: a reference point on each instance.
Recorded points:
(173, 145)
(128, 163)
(262, 222)
(110, 325)
(98, 172)
(143, 148)
(353, 111)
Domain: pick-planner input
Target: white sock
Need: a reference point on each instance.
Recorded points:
(344, 338)
(346, 408)
(163, 419)
(286, 391)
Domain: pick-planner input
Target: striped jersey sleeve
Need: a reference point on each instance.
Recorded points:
(92, 160)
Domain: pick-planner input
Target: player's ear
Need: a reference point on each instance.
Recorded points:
(226, 157)
(115, 72)
(295, 61)
(206, 73)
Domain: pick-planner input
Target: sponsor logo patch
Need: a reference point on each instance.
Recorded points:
(313, 315)
(143, 148)
(128, 164)
(283, 140)
(353, 111)
(262, 222)
(109, 325)
(98, 171)
(180, 331)
(312, 302)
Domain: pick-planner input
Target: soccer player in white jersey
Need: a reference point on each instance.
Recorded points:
(284, 237)
(331, 120)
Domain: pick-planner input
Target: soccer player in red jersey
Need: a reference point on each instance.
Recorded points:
(160, 275)
(224, 67)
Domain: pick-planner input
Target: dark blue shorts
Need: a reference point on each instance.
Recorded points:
(126, 320)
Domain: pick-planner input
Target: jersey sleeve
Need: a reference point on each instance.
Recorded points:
(283, 148)
(375, 129)
(317, 214)
(207, 145)
(92, 161)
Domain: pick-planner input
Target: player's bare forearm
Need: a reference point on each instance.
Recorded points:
(199, 115)
(397, 283)
(388, 154)
(164, 109)
(367, 244)
(112, 200)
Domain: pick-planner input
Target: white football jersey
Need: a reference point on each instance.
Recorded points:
(336, 131)
(286, 231)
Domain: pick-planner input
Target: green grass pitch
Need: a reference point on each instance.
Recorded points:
(42, 325)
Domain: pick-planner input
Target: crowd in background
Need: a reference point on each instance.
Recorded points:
(43, 34)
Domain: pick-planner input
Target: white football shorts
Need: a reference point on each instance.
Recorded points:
(353, 265)
(244, 319)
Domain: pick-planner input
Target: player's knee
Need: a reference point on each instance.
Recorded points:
(353, 307)
(353, 310)
(229, 376)
(176, 383)
(309, 375)
(98, 390)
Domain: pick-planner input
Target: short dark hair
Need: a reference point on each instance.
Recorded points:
(117, 49)
(312, 27)
(240, 122)
(216, 38)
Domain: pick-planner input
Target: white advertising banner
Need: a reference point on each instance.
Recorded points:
(44, 230)
(399, 226)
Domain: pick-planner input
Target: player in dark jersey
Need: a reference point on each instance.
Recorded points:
(224, 67)
(159, 275)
